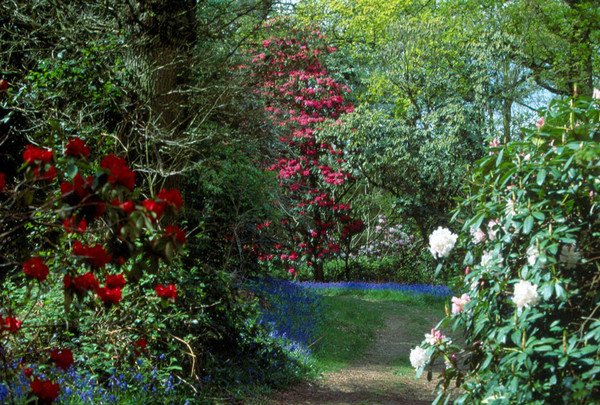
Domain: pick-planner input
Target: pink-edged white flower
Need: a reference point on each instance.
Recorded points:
(532, 255)
(478, 235)
(570, 256)
(434, 337)
(419, 357)
(525, 295)
(540, 123)
(458, 303)
(596, 94)
(441, 242)
(492, 229)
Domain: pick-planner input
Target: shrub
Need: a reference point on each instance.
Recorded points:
(529, 303)
(95, 251)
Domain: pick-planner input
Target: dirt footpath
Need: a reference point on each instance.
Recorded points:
(372, 380)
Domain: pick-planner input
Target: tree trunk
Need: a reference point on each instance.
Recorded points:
(162, 36)
(318, 272)
(506, 118)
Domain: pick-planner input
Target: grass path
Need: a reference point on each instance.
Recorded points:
(369, 369)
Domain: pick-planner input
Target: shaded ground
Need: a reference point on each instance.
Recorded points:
(382, 376)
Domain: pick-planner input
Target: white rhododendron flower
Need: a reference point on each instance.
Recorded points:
(510, 207)
(441, 242)
(490, 257)
(458, 303)
(570, 256)
(492, 229)
(478, 235)
(532, 255)
(525, 295)
(419, 357)
(486, 258)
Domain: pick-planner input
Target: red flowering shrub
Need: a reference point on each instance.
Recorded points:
(127, 206)
(166, 291)
(77, 148)
(10, 324)
(92, 228)
(3, 86)
(96, 255)
(45, 390)
(2, 181)
(140, 346)
(175, 232)
(109, 295)
(71, 225)
(62, 358)
(115, 281)
(154, 207)
(48, 173)
(35, 155)
(118, 171)
(81, 284)
(171, 197)
(36, 268)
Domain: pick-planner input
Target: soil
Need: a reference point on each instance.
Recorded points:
(374, 379)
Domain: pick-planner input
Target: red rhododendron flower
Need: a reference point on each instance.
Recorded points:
(171, 197)
(115, 281)
(140, 346)
(45, 390)
(36, 268)
(28, 372)
(127, 206)
(33, 154)
(173, 231)
(47, 175)
(10, 324)
(119, 260)
(154, 206)
(118, 171)
(82, 283)
(141, 343)
(76, 147)
(109, 295)
(2, 181)
(95, 255)
(63, 358)
(3, 85)
(167, 292)
(72, 226)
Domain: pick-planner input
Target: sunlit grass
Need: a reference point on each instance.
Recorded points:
(352, 318)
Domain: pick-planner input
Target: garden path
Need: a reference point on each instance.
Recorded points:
(374, 379)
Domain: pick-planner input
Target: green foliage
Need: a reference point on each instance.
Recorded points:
(424, 169)
(231, 195)
(410, 266)
(543, 193)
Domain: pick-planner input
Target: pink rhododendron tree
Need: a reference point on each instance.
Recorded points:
(300, 97)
